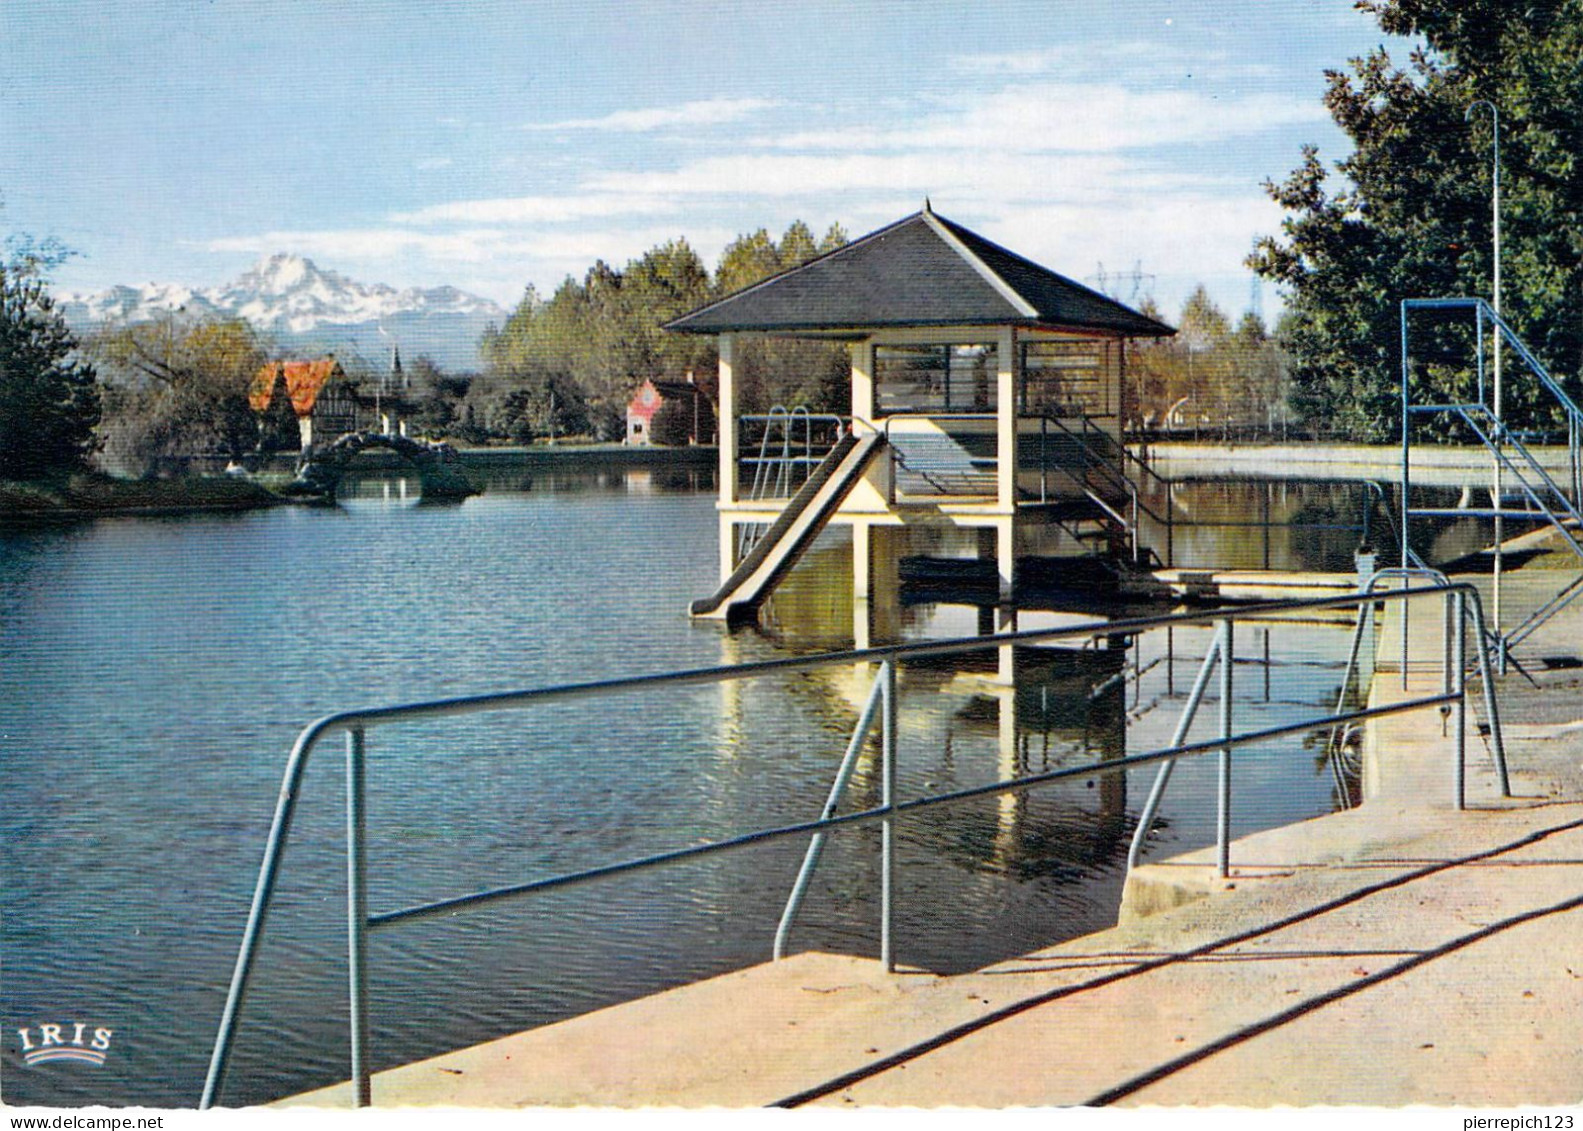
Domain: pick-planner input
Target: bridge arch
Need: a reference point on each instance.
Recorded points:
(439, 468)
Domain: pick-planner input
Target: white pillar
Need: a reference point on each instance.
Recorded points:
(728, 419)
(1006, 419)
(863, 381)
(728, 547)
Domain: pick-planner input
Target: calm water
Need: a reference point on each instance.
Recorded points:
(153, 673)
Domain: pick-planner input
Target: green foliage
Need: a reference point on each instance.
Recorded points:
(602, 335)
(179, 387)
(435, 394)
(672, 424)
(597, 339)
(49, 400)
(773, 371)
(1412, 218)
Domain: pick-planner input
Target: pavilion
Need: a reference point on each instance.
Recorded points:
(987, 392)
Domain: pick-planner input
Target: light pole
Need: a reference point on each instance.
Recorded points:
(1495, 286)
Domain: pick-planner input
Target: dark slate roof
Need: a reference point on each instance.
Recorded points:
(920, 271)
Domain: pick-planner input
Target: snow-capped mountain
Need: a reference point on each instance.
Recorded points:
(306, 307)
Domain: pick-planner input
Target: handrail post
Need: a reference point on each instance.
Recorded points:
(887, 949)
(816, 845)
(1223, 814)
(258, 913)
(1183, 723)
(1481, 634)
(1044, 459)
(1460, 666)
(357, 914)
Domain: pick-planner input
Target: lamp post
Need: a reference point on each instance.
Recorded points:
(1495, 286)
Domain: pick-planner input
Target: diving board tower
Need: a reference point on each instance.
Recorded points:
(987, 392)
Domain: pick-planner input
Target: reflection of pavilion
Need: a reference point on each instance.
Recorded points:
(986, 395)
(998, 714)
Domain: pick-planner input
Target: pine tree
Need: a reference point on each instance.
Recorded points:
(49, 399)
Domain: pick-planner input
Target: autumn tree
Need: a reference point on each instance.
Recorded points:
(178, 386)
(1410, 214)
(1209, 376)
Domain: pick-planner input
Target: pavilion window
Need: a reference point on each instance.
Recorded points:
(1069, 378)
(934, 378)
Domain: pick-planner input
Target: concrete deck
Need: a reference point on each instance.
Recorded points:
(1398, 953)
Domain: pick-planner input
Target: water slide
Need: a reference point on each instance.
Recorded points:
(805, 515)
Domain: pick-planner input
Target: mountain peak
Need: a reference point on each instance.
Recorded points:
(290, 296)
(282, 273)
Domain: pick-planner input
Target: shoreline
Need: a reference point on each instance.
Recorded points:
(92, 494)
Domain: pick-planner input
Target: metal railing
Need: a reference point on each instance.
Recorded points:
(1461, 603)
(787, 455)
(883, 703)
(1547, 501)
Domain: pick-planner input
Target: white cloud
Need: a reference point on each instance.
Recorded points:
(705, 112)
(473, 259)
(428, 164)
(371, 244)
(537, 209)
(1180, 240)
(1072, 118)
(985, 178)
(1086, 58)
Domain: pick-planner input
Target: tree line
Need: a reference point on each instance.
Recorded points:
(570, 362)
(564, 366)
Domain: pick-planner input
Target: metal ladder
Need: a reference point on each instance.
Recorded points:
(1548, 502)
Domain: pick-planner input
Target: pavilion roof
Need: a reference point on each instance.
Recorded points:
(922, 270)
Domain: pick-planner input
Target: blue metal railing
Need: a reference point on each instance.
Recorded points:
(355, 725)
(1550, 503)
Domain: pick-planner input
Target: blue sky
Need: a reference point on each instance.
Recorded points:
(489, 145)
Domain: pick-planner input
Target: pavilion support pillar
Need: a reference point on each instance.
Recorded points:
(728, 547)
(862, 383)
(1006, 421)
(728, 421)
(1006, 557)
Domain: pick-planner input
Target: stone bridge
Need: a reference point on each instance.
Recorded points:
(438, 467)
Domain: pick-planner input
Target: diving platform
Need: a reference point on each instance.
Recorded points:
(987, 393)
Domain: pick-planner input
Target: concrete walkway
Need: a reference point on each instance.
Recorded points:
(1398, 953)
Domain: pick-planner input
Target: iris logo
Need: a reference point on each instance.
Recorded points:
(70, 1041)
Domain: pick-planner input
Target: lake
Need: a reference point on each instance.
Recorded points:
(154, 672)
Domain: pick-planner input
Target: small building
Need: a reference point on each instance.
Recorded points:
(697, 411)
(326, 402)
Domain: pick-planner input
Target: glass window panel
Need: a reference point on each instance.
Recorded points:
(934, 378)
(1068, 378)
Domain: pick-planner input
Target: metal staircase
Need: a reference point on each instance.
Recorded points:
(1527, 492)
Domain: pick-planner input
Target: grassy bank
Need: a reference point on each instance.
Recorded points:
(90, 493)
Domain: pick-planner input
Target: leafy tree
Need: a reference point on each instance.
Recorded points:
(436, 395)
(49, 400)
(597, 338)
(783, 371)
(1411, 216)
(180, 387)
